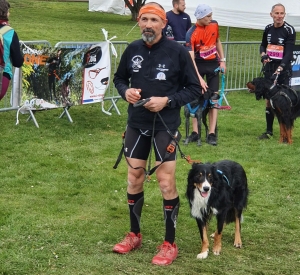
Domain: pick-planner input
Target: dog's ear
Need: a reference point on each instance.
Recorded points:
(196, 164)
(195, 102)
(206, 95)
(215, 96)
(258, 86)
(193, 170)
(214, 172)
(250, 86)
(209, 94)
(191, 176)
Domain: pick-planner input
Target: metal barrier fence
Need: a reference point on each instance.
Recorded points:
(12, 99)
(243, 64)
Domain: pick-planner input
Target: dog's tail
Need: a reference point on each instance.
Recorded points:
(230, 216)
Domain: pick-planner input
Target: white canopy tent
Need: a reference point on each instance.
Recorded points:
(252, 14)
(111, 6)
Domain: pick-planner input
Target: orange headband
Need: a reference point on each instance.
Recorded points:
(154, 10)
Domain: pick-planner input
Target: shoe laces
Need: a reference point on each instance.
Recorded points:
(164, 249)
(128, 240)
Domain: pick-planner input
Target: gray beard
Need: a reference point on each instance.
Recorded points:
(148, 38)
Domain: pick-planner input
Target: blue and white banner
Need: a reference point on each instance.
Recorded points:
(295, 80)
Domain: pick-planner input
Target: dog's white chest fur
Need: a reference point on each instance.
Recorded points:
(199, 205)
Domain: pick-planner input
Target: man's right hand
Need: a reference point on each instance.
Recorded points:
(132, 95)
(265, 58)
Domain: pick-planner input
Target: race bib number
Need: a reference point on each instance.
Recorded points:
(275, 51)
(206, 52)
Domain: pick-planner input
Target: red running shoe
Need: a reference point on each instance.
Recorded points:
(130, 242)
(167, 254)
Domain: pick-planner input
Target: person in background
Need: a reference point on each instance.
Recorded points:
(53, 64)
(12, 54)
(276, 51)
(204, 45)
(178, 21)
(161, 70)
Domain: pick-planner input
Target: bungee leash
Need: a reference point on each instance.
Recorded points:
(174, 137)
(169, 150)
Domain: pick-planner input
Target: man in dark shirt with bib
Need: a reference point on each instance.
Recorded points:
(276, 52)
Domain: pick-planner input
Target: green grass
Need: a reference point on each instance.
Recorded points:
(71, 21)
(63, 206)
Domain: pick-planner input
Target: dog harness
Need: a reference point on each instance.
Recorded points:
(285, 95)
(224, 176)
(192, 110)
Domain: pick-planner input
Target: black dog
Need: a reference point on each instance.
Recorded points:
(285, 104)
(198, 109)
(219, 188)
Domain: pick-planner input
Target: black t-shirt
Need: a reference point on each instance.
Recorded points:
(278, 43)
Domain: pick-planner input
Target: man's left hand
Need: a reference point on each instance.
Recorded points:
(156, 103)
(278, 70)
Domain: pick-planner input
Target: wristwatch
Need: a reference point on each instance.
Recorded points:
(279, 70)
(223, 59)
(170, 103)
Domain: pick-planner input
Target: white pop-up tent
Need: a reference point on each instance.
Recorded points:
(111, 6)
(254, 14)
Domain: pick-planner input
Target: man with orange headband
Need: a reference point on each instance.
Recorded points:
(161, 70)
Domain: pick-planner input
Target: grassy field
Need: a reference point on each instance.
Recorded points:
(71, 21)
(63, 206)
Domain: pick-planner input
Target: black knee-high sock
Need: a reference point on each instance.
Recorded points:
(171, 208)
(269, 119)
(135, 203)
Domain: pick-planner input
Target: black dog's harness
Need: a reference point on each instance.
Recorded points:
(192, 110)
(169, 150)
(224, 176)
(282, 93)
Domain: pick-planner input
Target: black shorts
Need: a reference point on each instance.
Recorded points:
(207, 71)
(138, 144)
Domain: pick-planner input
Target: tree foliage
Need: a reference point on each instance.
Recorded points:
(134, 6)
